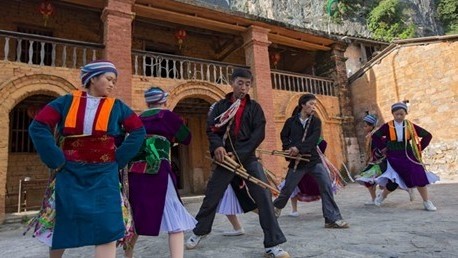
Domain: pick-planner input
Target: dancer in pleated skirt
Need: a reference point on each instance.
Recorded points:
(403, 148)
(153, 195)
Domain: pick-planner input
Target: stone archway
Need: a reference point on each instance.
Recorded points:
(12, 92)
(192, 101)
(206, 91)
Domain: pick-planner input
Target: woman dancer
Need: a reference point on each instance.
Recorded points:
(375, 160)
(82, 205)
(403, 147)
(154, 198)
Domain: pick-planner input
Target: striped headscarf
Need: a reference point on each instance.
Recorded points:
(96, 68)
(397, 106)
(371, 119)
(156, 95)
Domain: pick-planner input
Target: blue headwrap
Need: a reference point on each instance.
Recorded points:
(371, 119)
(155, 95)
(397, 106)
(96, 68)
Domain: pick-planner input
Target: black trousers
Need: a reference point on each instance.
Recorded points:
(331, 212)
(216, 186)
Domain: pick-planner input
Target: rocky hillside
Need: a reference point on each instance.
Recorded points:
(312, 14)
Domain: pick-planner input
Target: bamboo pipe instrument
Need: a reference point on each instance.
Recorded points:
(238, 169)
(284, 154)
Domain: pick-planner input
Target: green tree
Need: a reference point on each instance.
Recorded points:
(386, 23)
(447, 12)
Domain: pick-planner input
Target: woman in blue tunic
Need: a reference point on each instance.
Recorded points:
(83, 203)
(400, 140)
(156, 205)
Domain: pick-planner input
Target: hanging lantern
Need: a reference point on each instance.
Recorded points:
(180, 35)
(275, 58)
(46, 9)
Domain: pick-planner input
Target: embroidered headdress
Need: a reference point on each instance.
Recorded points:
(96, 68)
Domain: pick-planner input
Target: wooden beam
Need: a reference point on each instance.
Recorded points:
(187, 19)
(311, 36)
(228, 51)
(279, 39)
(97, 4)
(200, 17)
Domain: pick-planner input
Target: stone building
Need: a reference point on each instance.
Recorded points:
(186, 49)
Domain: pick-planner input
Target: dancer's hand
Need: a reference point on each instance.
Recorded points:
(219, 153)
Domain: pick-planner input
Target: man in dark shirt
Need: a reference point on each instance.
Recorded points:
(235, 128)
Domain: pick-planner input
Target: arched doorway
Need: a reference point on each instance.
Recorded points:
(23, 161)
(192, 167)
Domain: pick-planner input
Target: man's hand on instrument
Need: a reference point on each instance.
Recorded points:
(231, 155)
(219, 153)
(293, 151)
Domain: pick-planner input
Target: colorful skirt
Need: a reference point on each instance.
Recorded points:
(370, 173)
(392, 175)
(229, 204)
(43, 223)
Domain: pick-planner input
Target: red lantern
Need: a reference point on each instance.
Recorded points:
(275, 58)
(180, 35)
(46, 9)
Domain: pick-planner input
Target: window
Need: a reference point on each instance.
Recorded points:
(20, 119)
(369, 52)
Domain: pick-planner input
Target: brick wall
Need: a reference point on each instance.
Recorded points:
(17, 82)
(61, 23)
(22, 165)
(426, 74)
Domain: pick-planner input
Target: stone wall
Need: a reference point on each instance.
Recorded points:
(426, 74)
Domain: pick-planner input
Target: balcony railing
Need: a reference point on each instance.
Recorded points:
(181, 68)
(47, 51)
(287, 81)
(187, 68)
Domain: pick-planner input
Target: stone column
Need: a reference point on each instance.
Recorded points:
(117, 17)
(350, 146)
(256, 45)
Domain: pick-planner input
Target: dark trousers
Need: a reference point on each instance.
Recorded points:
(331, 212)
(216, 186)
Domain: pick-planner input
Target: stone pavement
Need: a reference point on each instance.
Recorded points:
(397, 229)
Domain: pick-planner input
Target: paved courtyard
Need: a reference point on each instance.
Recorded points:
(399, 228)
